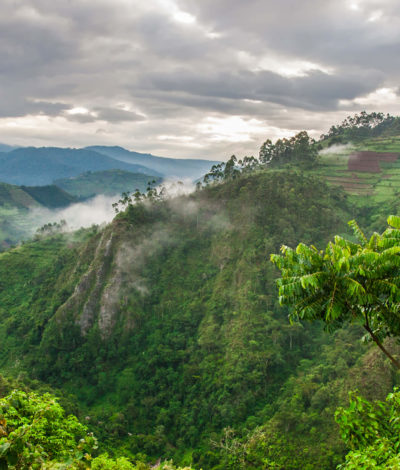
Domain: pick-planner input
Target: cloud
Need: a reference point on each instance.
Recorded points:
(342, 149)
(163, 68)
(117, 115)
(95, 211)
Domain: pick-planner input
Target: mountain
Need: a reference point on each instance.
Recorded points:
(7, 148)
(166, 325)
(168, 167)
(109, 182)
(15, 196)
(51, 196)
(24, 197)
(41, 166)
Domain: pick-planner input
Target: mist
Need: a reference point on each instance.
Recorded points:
(95, 211)
(336, 149)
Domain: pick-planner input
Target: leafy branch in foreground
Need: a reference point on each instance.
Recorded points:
(34, 431)
(346, 282)
(36, 434)
(371, 430)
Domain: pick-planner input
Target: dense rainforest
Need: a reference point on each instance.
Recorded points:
(163, 330)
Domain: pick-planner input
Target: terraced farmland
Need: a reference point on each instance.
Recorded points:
(371, 171)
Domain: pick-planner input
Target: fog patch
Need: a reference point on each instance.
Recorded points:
(183, 206)
(131, 260)
(337, 149)
(94, 211)
(175, 188)
(220, 223)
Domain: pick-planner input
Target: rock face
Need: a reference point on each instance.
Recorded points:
(103, 286)
(370, 161)
(83, 305)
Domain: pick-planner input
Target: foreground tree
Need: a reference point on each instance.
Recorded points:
(371, 430)
(34, 432)
(346, 282)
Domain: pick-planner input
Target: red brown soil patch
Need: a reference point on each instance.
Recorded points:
(369, 161)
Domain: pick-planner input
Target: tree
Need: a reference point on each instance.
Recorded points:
(346, 282)
(362, 125)
(36, 434)
(300, 149)
(35, 431)
(371, 431)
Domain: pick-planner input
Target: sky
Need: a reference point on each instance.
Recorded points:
(192, 78)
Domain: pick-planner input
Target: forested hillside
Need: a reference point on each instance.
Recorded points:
(165, 327)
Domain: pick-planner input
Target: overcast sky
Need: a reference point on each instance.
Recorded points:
(192, 78)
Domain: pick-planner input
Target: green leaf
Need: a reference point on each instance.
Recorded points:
(4, 448)
(358, 233)
(394, 221)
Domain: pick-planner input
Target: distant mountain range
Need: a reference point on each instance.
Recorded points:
(42, 166)
(167, 167)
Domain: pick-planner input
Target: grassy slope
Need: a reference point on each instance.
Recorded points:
(365, 188)
(50, 196)
(15, 196)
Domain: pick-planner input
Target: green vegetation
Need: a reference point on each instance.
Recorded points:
(357, 282)
(15, 196)
(36, 434)
(300, 150)
(165, 326)
(361, 126)
(198, 308)
(371, 431)
(50, 196)
(110, 182)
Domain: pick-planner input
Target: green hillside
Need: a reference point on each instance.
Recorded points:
(15, 196)
(15, 201)
(166, 326)
(365, 187)
(110, 182)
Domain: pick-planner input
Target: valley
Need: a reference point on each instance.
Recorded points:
(163, 329)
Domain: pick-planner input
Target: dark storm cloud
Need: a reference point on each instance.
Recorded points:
(329, 32)
(145, 69)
